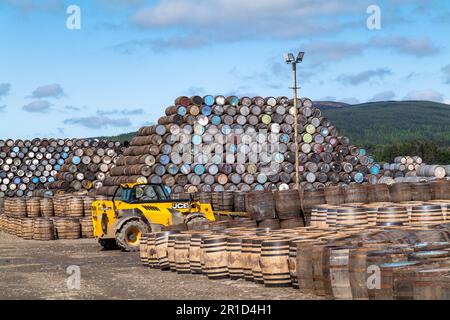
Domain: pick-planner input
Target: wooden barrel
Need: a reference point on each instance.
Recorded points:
(400, 192)
(291, 223)
(181, 253)
(392, 216)
(235, 263)
(46, 207)
(274, 263)
(420, 192)
(239, 201)
(254, 259)
(246, 250)
(68, 228)
(216, 258)
(87, 228)
(75, 207)
(161, 244)
(355, 193)
(261, 205)
(43, 229)
(287, 204)
(319, 216)
(351, 216)
(334, 195)
(308, 199)
(143, 249)
(339, 273)
(222, 201)
(26, 228)
(33, 207)
(194, 253)
(386, 290)
(378, 193)
(171, 252)
(304, 265)
(427, 283)
(440, 190)
(426, 215)
(152, 256)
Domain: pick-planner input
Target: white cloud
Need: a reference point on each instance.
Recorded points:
(364, 76)
(50, 90)
(425, 95)
(40, 106)
(419, 47)
(4, 89)
(384, 96)
(351, 100)
(446, 71)
(97, 122)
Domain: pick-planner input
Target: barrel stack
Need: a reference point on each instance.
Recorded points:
(27, 166)
(86, 167)
(214, 144)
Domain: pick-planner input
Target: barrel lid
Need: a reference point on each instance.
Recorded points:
(398, 264)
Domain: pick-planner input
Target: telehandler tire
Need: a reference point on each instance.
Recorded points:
(128, 237)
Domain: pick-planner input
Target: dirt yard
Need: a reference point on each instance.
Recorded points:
(38, 270)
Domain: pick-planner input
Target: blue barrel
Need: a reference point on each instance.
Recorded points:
(15, 149)
(164, 159)
(234, 101)
(76, 160)
(185, 168)
(17, 180)
(284, 138)
(371, 159)
(232, 148)
(172, 169)
(196, 139)
(362, 152)
(215, 120)
(51, 179)
(374, 170)
(168, 190)
(259, 187)
(209, 100)
(35, 180)
(64, 155)
(57, 167)
(181, 110)
(199, 169)
(206, 110)
(359, 177)
(226, 129)
(60, 162)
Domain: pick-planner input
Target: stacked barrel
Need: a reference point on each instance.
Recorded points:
(87, 165)
(412, 169)
(333, 263)
(64, 216)
(214, 144)
(30, 165)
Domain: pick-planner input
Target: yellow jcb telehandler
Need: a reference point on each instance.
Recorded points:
(136, 209)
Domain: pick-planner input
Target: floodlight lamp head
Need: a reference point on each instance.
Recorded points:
(289, 58)
(300, 56)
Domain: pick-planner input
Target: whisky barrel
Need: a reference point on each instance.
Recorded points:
(216, 258)
(420, 192)
(68, 228)
(355, 193)
(254, 258)
(26, 228)
(239, 201)
(440, 190)
(400, 192)
(427, 283)
(261, 205)
(43, 229)
(46, 207)
(87, 228)
(334, 195)
(75, 207)
(426, 215)
(274, 263)
(291, 223)
(222, 201)
(246, 250)
(171, 252)
(319, 216)
(143, 249)
(33, 207)
(378, 193)
(270, 223)
(235, 265)
(392, 216)
(152, 257)
(351, 216)
(287, 204)
(339, 273)
(304, 264)
(161, 246)
(181, 253)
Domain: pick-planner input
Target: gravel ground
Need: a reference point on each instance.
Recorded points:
(38, 270)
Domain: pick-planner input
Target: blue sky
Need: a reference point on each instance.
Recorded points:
(132, 58)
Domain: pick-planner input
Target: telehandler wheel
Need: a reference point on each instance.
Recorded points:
(108, 244)
(129, 236)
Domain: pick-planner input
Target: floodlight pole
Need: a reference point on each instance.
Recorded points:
(297, 173)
